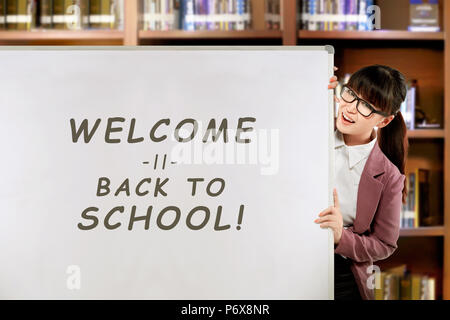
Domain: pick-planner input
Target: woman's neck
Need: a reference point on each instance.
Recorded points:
(356, 140)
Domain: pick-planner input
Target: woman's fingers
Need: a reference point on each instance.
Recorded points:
(326, 211)
(326, 225)
(336, 99)
(328, 218)
(335, 68)
(333, 82)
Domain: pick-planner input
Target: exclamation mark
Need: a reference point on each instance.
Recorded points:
(241, 215)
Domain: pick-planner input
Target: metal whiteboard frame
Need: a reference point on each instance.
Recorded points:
(328, 48)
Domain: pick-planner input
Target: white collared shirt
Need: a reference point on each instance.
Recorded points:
(349, 165)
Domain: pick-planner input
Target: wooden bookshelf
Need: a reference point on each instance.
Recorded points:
(437, 231)
(419, 55)
(61, 36)
(181, 34)
(371, 35)
(426, 134)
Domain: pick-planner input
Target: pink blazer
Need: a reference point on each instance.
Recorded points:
(376, 228)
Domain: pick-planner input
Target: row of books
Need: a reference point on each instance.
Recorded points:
(61, 14)
(196, 14)
(335, 15)
(272, 14)
(416, 210)
(414, 116)
(399, 284)
(424, 15)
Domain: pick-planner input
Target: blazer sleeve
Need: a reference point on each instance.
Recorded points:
(381, 242)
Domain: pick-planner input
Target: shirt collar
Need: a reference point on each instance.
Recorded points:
(355, 153)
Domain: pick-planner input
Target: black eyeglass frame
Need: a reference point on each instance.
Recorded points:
(372, 109)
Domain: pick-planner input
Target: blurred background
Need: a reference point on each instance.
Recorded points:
(408, 35)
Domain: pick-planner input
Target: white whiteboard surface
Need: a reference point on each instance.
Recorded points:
(47, 180)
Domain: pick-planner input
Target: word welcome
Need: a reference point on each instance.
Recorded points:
(157, 133)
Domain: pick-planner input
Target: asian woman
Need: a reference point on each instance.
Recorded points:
(370, 154)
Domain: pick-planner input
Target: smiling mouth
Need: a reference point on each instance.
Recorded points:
(347, 119)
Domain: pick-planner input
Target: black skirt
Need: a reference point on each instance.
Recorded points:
(345, 287)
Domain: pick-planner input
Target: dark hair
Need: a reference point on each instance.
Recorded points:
(385, 88)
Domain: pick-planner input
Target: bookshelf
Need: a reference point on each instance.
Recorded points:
(420, 55)
(371, 35)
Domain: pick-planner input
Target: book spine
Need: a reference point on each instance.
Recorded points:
(267, 13)
(362, 17)
(214, 12)
(240, 15)
(161, 7)
(118, 14)
(156, 15)
(221, 12)
(46, 13)
(2, 15)
(105, 15)
(231, 15)
(188, 15)
(369, 21)
(23, 18)
(58, 14)
(304, 14)
(412, 105)
(352, 14)
(152, 13)
(321, 15)
(313, 11)
(94, 14)
(197, 8)
(334, 15)
(416, 199)
(341, 9)
(11, 14)
(209, 10)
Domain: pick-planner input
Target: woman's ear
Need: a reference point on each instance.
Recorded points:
(383, 123)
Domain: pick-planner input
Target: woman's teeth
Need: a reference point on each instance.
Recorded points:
(348, 119)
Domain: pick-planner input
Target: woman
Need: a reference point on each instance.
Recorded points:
(370, 155)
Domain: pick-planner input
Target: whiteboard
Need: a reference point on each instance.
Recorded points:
(246, 233)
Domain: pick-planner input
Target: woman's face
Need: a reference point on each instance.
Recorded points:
(350, 121)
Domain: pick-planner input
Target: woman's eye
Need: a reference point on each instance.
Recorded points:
(352, 93)
(365, 104)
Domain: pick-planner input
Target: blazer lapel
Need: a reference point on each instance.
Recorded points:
(369, 190)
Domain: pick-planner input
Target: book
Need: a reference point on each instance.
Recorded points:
(46, 14)
(272, 14)
(20, 14)
(211, 15)
(106, 14)
(424, 15)
(187, 14)
(409, 210)
(331, 15)
(408, 107)
(58, 14)
(399, 284)
(2, 14)
(416, 211)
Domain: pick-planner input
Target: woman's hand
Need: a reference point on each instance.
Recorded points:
(334, 83)
(332, 218)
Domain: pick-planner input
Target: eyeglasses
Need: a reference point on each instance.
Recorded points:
(363, 107)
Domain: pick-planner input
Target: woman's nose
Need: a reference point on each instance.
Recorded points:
(351, 107)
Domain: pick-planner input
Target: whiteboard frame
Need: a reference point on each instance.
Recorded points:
(331, 111)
